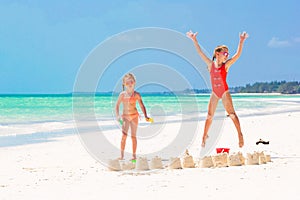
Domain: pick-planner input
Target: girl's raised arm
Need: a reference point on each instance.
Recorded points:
(193, 37)
(235, 57)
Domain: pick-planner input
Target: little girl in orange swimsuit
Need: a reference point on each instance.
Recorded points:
(130, 115)
(218, 68)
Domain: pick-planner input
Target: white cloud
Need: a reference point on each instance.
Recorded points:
(276, 43)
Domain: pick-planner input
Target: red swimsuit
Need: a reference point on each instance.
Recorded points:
(218, 80)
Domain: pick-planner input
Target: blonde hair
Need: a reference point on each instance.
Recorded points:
(126, 76)
(219, 49)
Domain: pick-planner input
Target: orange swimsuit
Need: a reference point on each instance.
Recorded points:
(130, 100)
(218, 80)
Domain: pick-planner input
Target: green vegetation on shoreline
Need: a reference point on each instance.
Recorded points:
(283, 87)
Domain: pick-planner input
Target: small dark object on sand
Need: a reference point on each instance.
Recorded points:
(262, 141)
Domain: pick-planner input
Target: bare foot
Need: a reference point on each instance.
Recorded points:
(133, 157)
(120, 158)
(241, 140)
(204, 140)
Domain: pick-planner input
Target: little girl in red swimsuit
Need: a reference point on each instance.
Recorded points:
(130, 116)
(218, 68)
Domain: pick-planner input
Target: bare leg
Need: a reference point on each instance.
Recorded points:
(213, 102)
(125, 128)
(133, 127)
(228, 105)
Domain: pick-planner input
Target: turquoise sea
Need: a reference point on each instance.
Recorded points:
(52, 115)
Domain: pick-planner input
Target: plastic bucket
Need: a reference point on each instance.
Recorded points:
(222, 150)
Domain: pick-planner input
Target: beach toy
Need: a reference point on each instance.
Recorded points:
(222, 150)
(121, 121)
(133, 160)
(268, 158)
(221, 160)
(188, 161)
(150, 120)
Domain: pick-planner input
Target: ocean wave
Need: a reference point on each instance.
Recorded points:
(31, 128)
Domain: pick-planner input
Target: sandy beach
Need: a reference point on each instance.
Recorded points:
(61, 168)
(75, 73)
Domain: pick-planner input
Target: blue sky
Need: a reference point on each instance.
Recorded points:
(43, 43)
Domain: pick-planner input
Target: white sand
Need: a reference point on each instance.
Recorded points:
(63, 169)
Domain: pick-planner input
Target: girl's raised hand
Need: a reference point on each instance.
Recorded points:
(243, 36)
(192, 35)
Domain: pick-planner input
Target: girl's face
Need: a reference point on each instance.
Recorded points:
(222, 55)
(129, 83)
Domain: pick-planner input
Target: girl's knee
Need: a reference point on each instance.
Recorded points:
(209, 117)
(124, 134)
(233, 116)
(133, 137)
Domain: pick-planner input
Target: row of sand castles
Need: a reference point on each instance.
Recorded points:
(219, 160)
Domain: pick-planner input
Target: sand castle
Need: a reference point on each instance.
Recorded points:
(258, 158)
(175, 163)
(236, 159)
(262, 158)
(188, 161)
(127, 166)
(114, 165)
(206, 162)
(268, 158)
(156, 163)
(219, 160)
(253, 159)
(141, 164)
